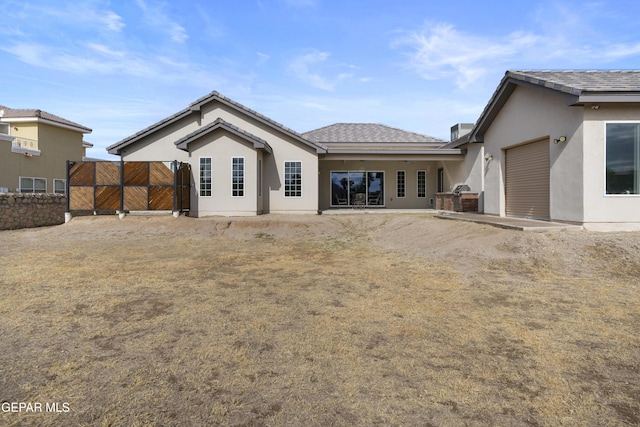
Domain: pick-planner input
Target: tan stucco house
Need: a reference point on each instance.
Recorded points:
(551, 145)
(244, 163)
(34, 148)
(562, 146)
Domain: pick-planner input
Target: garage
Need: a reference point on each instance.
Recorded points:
(527, 180)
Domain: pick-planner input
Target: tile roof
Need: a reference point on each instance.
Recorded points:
(576, 86)
(576, 82)
(11, 113)
(365, 133)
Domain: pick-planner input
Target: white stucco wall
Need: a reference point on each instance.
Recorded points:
(603, 211)
(530, 115)
(285, 149)
(222, 147)
(161, 146)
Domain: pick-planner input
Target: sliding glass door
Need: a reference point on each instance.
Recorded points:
(350, 188)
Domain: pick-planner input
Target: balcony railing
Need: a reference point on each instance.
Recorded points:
(31, 144)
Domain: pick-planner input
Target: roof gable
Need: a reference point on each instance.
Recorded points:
(28, 115)
(576, 87)
(196, 106)
(257, 142)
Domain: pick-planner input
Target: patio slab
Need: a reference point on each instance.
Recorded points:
(521, 224)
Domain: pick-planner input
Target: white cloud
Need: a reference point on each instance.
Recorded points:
(440, 51)
(306, 68)
(157, 18)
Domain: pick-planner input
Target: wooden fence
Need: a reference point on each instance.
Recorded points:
(104, 186)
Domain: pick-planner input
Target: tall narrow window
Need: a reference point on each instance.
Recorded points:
(623, 158)
(292, 179)
(205, 176)
(237, 171)
(400, 184)
(422, 184)
(440, 180)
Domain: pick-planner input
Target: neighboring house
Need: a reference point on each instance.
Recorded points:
(563, 146)
(244, 163)
(34, 149)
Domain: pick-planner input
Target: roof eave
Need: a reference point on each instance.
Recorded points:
(258, 143)
(504, 91)
(81, 129)
(608, 97)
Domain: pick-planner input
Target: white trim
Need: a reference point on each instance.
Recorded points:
(604, 166)
(199, 182)
(33, 178)
(405, 184)
(284, 180)
(244, 177)
(64, 181)
(418, 196)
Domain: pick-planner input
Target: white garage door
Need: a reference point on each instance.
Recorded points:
(527, 180)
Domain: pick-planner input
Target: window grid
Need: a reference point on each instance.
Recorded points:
(237, 177)
(292, 179)
(400, 184)
(33, 185)
(60, 186)
(205, 177)
(422, 184)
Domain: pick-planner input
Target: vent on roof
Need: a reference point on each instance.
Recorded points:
(460, 129)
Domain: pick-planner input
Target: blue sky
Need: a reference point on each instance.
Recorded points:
(120, 66)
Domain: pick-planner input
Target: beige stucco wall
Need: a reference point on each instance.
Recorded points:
(601, 209)
(160, 146)
(56, 145)
(411, 168)
(222, 147)
(531, 115)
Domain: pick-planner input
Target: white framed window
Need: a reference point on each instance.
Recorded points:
(4, 128)
(400, 184)
(60, 186)
(32, 185)
(293, 179)
(622, 158)
(205, 177)
(237, 176)
(422, 184)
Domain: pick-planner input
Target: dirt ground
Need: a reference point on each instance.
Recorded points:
(341, 320)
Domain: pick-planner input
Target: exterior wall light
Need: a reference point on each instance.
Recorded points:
(559, 140)
(488, 157)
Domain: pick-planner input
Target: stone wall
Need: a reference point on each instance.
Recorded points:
(28, 210)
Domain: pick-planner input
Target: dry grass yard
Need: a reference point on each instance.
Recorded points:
(318, 321)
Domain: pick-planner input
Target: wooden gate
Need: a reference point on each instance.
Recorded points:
(104, 186)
